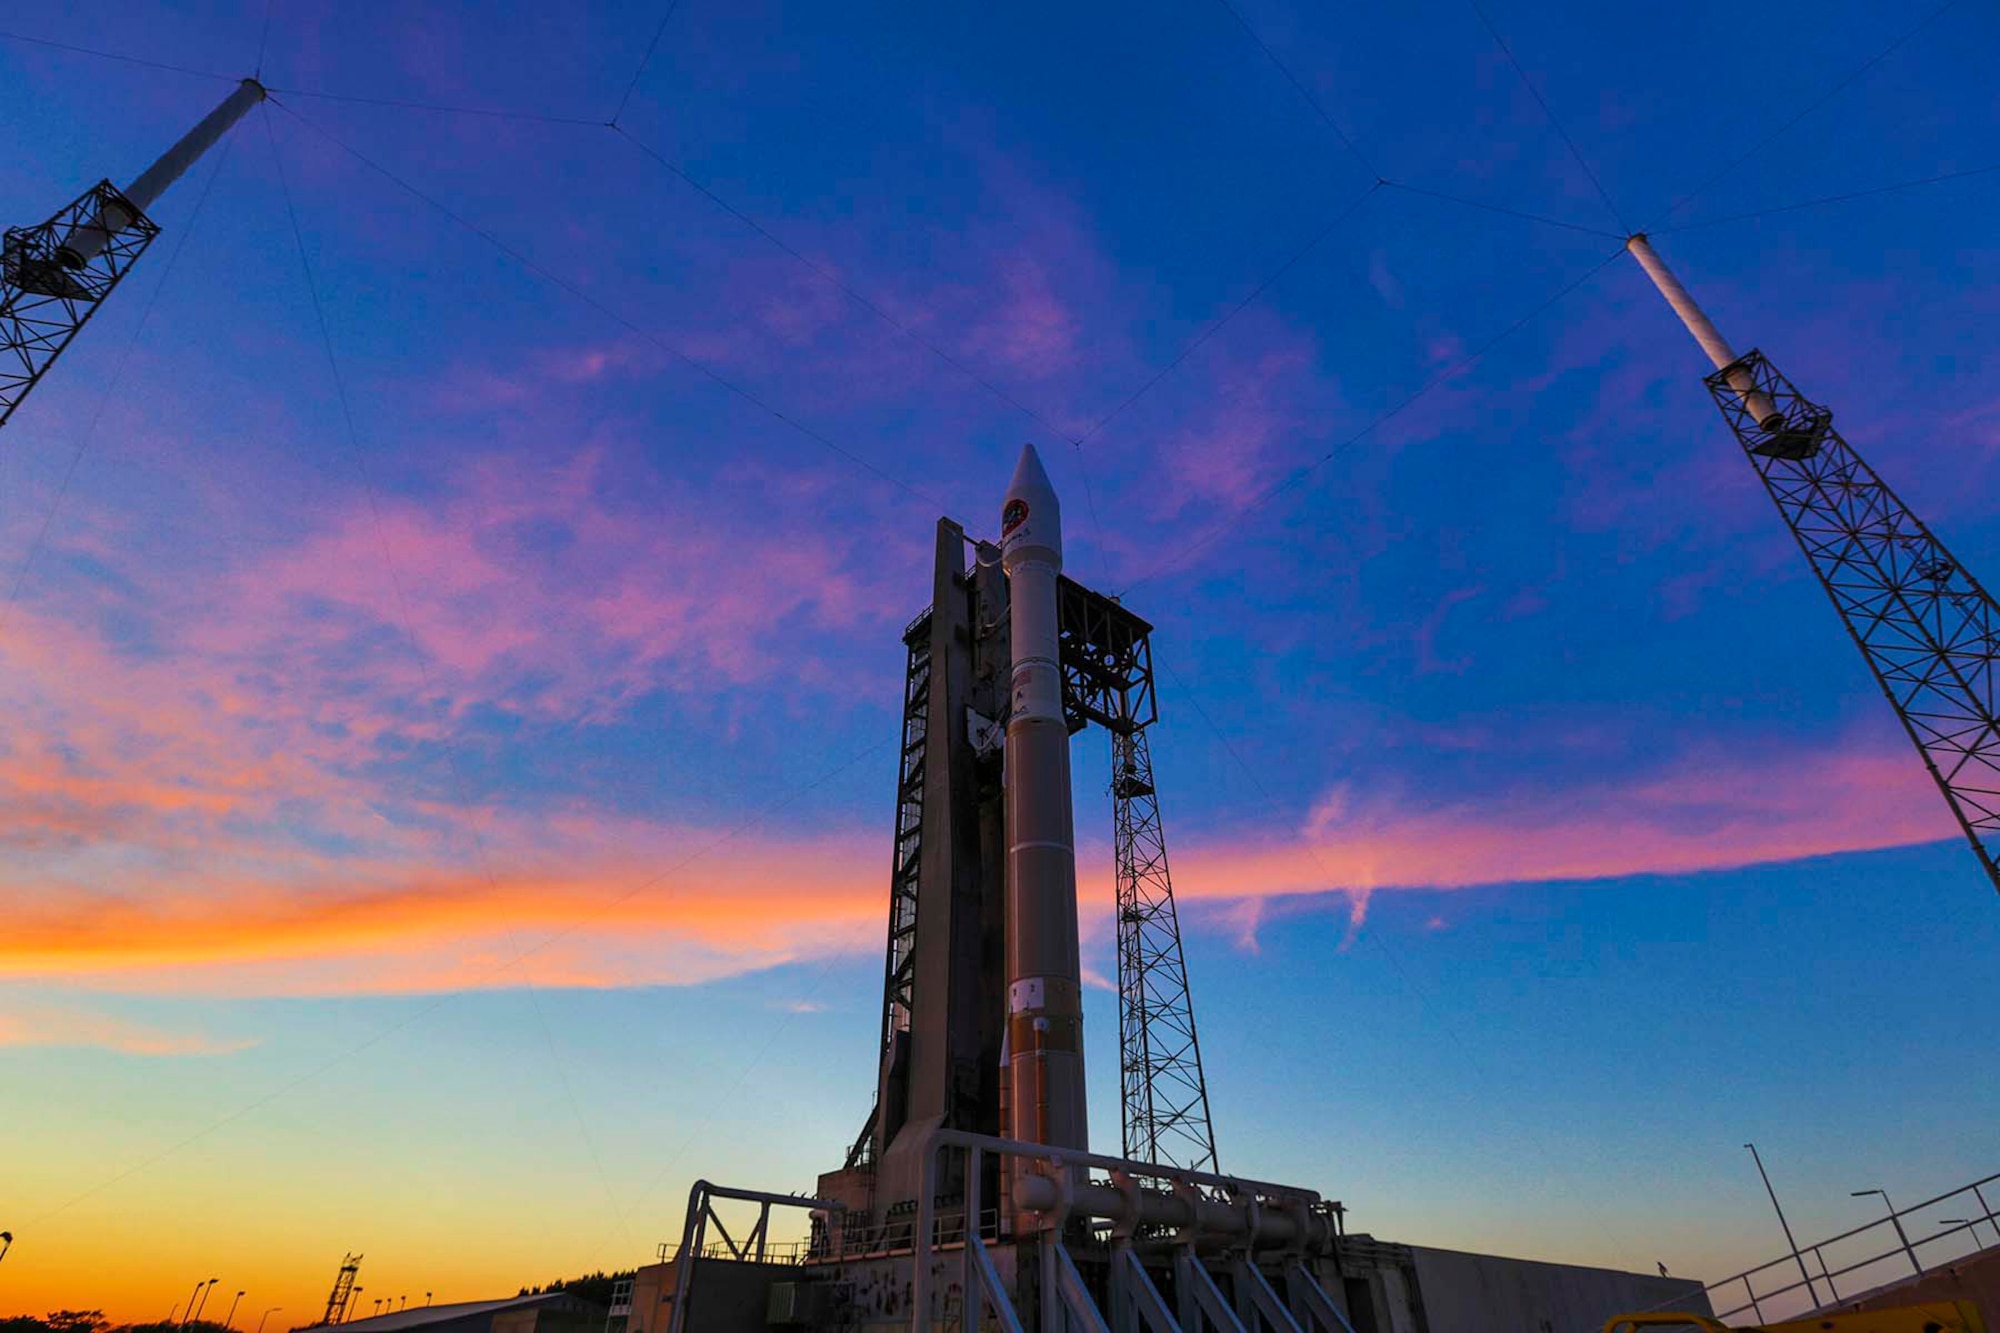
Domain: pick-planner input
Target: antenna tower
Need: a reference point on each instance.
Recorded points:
(1163, 1094)
(1923, 623)
(343, 1290)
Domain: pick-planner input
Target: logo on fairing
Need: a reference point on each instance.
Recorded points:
(1013, 516)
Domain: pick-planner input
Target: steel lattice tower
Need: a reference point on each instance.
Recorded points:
(1923, 623)
(343, 1290)
(1164, 1096)
(48, 292)
(53, 277)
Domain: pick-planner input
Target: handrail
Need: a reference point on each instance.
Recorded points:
(1754, 1299)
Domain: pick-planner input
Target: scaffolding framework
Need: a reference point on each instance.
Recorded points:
(901, 962)
(48, 292)
(1163, 1095)
(1922, 621)
(343, 1291)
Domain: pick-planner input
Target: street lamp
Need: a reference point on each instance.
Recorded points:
(232, 1310)
(204, 1298)
(6, 1243)
(1895, 1222)
(353, 1303)
(427, 1298)
(266, 1315)
(1797, 1258)
(1971, 1225)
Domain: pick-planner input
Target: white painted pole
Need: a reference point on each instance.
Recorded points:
(1761, 408)
(172, 164)
(83, 244)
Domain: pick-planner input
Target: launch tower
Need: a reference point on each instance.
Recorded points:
(970, 1197)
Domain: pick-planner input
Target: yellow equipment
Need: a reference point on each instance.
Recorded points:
(1931, 1317)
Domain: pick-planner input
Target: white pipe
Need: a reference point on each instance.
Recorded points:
(1761, 408)
(86, 241)
(172, 164)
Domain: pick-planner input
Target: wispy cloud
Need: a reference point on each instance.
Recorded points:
(1707, 811)
(48, 1026)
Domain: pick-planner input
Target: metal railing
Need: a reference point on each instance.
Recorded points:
(1799, 1277)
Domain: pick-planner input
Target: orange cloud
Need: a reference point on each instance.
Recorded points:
(385, 928)
(40, 1026)
(211, 814)
(556, 912)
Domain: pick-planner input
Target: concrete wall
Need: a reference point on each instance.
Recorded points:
(652, 1298)
(1485, 1293)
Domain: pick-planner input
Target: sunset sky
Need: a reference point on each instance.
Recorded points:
(448, 839)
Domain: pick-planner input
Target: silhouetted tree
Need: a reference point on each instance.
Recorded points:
(58, 1321)
(593, 1287)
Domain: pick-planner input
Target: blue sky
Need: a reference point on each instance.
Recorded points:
(1540, 837)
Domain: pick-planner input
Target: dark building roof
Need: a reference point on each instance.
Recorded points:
(427, 1316)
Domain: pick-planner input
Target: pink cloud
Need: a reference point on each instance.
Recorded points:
(1032, 332)
(1244, 436)
(1709, 811)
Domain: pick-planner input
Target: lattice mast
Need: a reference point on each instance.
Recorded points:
(1164, 1098)
(1925, 626)
(56, 275)
(343, 1290)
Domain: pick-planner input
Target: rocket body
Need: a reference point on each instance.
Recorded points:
(1044, 1032)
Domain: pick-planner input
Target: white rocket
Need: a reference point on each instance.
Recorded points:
(1044, 1033)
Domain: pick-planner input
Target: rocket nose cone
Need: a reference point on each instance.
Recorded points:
(1031, 516)
(1030, 480)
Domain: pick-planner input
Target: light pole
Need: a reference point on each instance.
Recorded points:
(204, 1298)
(266, 1315)
(6, 1243)
(232, 1310)
(427, 1298)
(402, 1303)
(1797, 1258)
(353, 1303)
(190, 1305)
(1895, 1222)
(1971, 1227)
